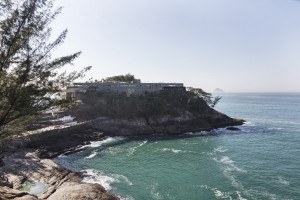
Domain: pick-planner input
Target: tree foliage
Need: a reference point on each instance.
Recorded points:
(207, 97)
(29, 76)
(128, 78)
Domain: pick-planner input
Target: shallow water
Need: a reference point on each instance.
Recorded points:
(259, 162)
(34, 188)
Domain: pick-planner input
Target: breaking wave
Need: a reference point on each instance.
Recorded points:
(106, 180)
(132, 150)
(108, 140)
(173, 150)
(93, 154)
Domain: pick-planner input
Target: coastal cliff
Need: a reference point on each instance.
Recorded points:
(56, 142)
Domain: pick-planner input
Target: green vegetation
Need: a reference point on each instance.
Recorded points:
(29, 76)
(128, 78)
(207, 97)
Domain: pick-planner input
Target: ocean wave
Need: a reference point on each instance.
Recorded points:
(122, 178)
(268, 195)
(282, 181)
(226, 160)
(201, 133)
(220, 149)
(176, 151)
(132, 150)
(173, 150)
(106, 180)
(240, 196)
(275, 128)
(218, 193)
(93, 176)
(154, 193)
(228, 171)
(230, 164)
(221, 195)
(126, 198)
(249, 124)
(108, 140)
(93, 154)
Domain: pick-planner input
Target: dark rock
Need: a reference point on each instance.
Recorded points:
(1, 162)
(232, 128)
(42, 153)
(4, 182)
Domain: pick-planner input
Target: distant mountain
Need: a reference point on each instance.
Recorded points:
(218, 90)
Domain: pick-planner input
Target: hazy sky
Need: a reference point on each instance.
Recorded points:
(236, 45)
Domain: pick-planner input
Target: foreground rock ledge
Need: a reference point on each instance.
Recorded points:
(63, 184)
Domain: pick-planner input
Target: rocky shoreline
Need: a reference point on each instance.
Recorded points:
(25, 164)
(28, 159)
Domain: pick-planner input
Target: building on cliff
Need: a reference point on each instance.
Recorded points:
(135, 87)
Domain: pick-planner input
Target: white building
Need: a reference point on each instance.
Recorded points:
(135, 87)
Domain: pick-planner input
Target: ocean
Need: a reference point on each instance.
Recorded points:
(261, 161)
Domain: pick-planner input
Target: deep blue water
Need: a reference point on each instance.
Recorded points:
(262, 161)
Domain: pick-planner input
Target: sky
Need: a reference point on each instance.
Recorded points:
(235, 45)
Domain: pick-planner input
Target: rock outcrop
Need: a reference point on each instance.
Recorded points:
(62, 183)
(55, 142)
(166, 125)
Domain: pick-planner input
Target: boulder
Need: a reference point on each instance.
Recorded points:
(232, 128)
(9, 193)
(78, 191)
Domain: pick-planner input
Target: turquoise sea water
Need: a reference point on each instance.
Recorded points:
(262, 161)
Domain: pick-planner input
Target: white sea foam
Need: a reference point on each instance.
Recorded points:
(229, 169)
(93, 154)
(295, 123)
(249, 124)
(108, 140)
(154, 193)
(122, 178)
(201, 133)
(222, 195)
(218, 193)
(220, 149)
(230, 164)
(275, 128)
(268, 195)
(93, 176)
(282, 181)
(106, 180)
(240, 196)
(126, 198)
(173, 150)
(133, 149)
(226, 160)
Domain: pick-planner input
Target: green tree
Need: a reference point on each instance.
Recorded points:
(29, 76)
(207, 97)
(121, 78)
